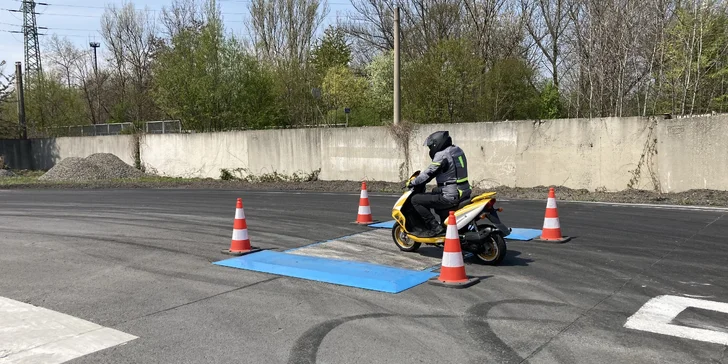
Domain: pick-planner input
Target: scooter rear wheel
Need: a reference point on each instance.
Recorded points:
(497, 251)
(403, 242)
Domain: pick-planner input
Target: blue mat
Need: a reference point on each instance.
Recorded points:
(524, 234)
(346, 273)
(516, 233)
(383, 225)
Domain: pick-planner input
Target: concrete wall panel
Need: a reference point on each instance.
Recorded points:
(693, 154)
(201, 155)
(357, 154)
(48, 152)
(286, 152)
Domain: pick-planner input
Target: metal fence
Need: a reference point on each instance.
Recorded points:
(150, 127)
(154, 127)
(163, 127)
(90, 130)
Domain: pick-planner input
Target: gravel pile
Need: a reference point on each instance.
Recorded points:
(101, 166)
(112, 167)
(6, 173)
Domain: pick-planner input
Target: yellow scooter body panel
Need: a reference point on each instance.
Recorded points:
(476, 203)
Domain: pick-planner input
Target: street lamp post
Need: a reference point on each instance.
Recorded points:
(95, 45)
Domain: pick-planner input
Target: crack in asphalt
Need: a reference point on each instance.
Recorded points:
(677, 246)
(543, 346)
(199, 300)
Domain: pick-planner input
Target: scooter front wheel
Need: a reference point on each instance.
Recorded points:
(404, 243)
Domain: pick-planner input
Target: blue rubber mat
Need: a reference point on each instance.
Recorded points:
(516, 233)
(524, 234)
(346, 273)
(383, 225)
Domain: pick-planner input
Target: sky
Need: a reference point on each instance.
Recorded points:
(80, 21)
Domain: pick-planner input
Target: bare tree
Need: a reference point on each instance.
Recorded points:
(283, 33)
(371, 26)
(182, 15)
(493, 26)
(546, 22)
(89, 85)
(431, 21)
(6, 83)
(130, 35)
(483, 24)
(284, 30)
(63, 54)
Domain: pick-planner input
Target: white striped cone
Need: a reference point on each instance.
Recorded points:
(551, 224)
(364, 215)
(240, 241)
(452, 271)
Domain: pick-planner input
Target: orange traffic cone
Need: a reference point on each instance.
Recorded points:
(452, 272)
(365, 211)
(551, 226)
(240, 243)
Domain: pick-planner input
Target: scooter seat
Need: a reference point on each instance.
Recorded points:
(465, 203)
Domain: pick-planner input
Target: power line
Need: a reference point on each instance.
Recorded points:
(101, 15)
(48, 28)
(31, 37)
(68, 6)
(145, 9)
(54, 28)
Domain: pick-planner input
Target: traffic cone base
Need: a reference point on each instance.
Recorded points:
(452, 271)
(551, 232)
(561, 240)
(240, 242)
(240, 253)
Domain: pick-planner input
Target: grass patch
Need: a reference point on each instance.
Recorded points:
(21, 177)
(30, 179)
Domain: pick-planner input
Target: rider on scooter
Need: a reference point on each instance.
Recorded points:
(450, 167)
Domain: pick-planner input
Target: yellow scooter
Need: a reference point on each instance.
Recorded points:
(486, 241)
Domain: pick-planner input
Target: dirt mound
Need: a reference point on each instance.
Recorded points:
(100, 166)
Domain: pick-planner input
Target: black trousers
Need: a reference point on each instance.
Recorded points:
(425, 201)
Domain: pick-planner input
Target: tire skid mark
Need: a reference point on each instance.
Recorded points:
(306, 347)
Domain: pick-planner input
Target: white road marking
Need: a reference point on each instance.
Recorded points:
(31, 334)
(655, 316)
(696, 296)
(695, 283)
(647, 205)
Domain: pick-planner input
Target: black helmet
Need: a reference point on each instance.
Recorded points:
(438, 141)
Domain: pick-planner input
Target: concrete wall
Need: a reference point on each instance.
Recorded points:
(576, 153)
(599, 154)
(43, 154)
(50, 151)
(286, 152)
(358, 154)
(17, 154)
(193, 155)
(692, 154)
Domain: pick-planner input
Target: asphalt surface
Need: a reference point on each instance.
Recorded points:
(139, 261)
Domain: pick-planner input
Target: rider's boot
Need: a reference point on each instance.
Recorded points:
(435, 230)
